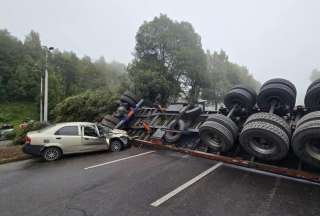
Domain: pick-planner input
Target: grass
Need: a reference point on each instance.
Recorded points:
(16, 112)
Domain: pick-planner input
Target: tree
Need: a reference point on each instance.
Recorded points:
(22, 63)
(222, 75)
(10, 55)
(315, 74)
(170, 54)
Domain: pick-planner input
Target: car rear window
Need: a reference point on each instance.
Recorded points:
(68, 131)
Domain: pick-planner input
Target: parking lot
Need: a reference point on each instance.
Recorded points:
(148, 182)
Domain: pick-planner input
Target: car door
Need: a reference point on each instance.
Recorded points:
(69, 137)
(91, 139)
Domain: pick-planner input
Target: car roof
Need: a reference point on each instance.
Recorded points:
(52, 128)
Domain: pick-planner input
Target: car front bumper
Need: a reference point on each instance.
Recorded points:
(34, 150)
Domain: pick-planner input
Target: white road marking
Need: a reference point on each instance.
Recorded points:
(272, 174)
(185, 185)
(121, 159)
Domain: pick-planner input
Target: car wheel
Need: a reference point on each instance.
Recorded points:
(52, 154)
(116, 146)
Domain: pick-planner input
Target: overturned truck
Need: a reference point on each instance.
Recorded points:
(263, 131)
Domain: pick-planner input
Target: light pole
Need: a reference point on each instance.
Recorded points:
(41, 94)
(45, 105)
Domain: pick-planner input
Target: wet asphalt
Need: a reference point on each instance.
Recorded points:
(128, 187)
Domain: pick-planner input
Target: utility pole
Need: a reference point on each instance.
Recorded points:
(45, 109)
(41, 96)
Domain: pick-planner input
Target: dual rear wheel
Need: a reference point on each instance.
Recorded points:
(219, 132)
(266, 135)
(306, 139)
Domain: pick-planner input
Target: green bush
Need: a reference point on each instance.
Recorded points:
(89, 106)
(17, 112)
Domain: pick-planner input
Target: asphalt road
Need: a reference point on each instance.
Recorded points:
(128, 187)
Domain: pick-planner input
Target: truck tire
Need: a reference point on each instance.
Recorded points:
(312, 98)
(283, 94)
(108, 124)
(193, 112)
(272, 119)
(313, 84)
(172, 137)
(248, 89)
(216, 136)
(226, 122)
(281, 81)
(110, 121)
(308, 117)
(306, 142)
(128, 100)
(264, 141)
(132, 96)
(240, 97)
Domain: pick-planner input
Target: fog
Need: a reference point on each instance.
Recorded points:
(272, 38)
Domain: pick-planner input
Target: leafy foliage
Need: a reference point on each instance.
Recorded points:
(22, 64)
(169, 57)
(222, 75)
(88, 106)
(17, 112)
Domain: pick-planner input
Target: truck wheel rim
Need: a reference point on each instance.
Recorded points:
(262, 146)
(313, 148)
(214, 140)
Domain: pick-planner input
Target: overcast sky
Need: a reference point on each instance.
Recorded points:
(273, 38)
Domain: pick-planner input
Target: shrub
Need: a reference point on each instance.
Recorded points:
(89, 106)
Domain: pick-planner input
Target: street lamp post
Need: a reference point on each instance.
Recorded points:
(45, 101)
(41, 96)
